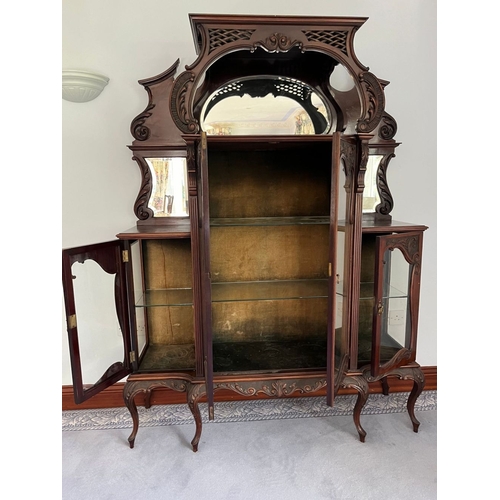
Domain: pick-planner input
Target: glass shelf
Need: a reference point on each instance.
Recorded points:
(366, 292)
(269, 290)
(166, 297)
(269, 221)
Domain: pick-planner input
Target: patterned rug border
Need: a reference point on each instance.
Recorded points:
(241, 411)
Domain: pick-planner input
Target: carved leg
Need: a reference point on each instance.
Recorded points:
(194, 393)
(418, 387)
(132, 388)
(418, 377)
(361, 385)
(129, 397)
(385, 386)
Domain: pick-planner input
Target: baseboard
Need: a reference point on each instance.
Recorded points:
(112, 397)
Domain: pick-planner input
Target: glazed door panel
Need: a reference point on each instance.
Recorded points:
(206, 281)
(337, 327)
(97, 314)
(395, 316)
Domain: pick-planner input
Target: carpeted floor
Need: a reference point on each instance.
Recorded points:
(293, 449)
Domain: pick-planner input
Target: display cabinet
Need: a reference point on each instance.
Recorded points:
(265, 260)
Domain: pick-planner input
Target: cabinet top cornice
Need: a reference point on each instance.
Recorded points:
(241, 21)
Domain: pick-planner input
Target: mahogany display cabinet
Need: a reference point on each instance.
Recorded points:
(265, 260)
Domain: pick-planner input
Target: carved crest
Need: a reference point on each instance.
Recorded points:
(278, 42)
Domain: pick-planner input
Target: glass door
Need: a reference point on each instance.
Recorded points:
(270, 259)
(206, 280)
(96, 302)
(342, 247)
(395, 315)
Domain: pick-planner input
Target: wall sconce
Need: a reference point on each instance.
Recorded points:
(81, 86)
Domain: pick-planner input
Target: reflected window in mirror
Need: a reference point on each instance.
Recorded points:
(169, 194)
(266, 106)
(371, 196)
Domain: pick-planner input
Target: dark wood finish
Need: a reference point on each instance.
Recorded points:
(177, 229)
(410, 245)
(263, 219)
(112, 397)
(205, 275)
(110, 259)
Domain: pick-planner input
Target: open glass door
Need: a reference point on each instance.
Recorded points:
(341, 242)
(395, 316)
(95, 294)
(206, 281)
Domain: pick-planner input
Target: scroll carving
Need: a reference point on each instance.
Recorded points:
(179, 107)
(388, 130)
(374, 107)
(137, 127)
(410, 248)
(141, 203)
(386, 201)
(275, 388)
(132, 389)
(348, 155)
(362, 167)
(401, 356)
(278, 42)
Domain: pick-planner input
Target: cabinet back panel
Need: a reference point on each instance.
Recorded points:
(171, 325)
(167, 264)
(270, 183)
(269, 252)
(265, 320)
(368, 259)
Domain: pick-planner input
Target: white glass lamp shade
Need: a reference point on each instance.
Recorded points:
(81, 86)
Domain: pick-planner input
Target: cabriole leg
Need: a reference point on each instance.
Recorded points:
(195, 392)
(418, 387)
(129, 394)
(133, 388)
(417, 375)
(361, 385)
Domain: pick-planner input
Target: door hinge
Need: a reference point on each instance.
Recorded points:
(125, 255)
(132, 356)
(72, 321)
(380, 308)
(329, 269)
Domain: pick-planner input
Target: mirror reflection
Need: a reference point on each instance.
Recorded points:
(371, 196)
(169, 196)
(265, 106)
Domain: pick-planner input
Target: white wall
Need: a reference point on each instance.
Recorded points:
(128, 40)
